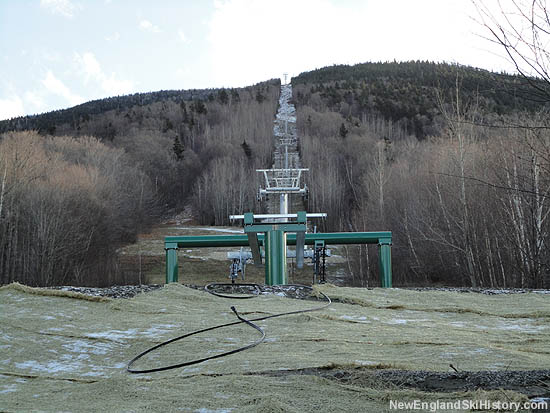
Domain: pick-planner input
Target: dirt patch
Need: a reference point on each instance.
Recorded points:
(531, 383)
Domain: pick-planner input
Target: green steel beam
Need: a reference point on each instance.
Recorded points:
(330, 238)
(203, 241)
(274, 274)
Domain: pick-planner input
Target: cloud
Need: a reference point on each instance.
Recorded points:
(113, 37)
(92, 71)
(264, 39)
(148, 26)
(11, 107)
(183, 38)
(89, 66)
(36, 101)
(60, 7)
(57, 87)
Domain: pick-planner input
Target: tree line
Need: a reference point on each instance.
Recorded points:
(406, 92)
(467, 207)
(71, 195)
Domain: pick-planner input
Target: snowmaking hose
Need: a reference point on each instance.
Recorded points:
(241, 320)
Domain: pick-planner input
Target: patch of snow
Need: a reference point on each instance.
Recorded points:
(94, 374)
(8, 388)
(520, 326)
(195, 257)
(50, 367)
(226, 230)
(365, 362)
(479, 351)
(115, 335)
(213, 229)
(191, 369)
(355, 318)
(397, 321)
(158, 329)
(81, 346)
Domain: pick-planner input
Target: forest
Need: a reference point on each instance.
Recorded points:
(467, 202)
(71, 193)
(452, 159)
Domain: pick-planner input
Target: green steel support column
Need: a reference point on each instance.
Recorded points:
(275, 257)
(384, 262)
(171, 262)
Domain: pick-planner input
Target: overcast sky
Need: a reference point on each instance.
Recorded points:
(59, 53)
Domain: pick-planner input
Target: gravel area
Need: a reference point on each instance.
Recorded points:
(486, 291)
(531, 383)
(116, 291)
(292, 291)
(129, 291)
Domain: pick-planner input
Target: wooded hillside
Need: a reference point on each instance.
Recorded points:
(78, 188)
(453, 160)
(409, 93)
(462, 188)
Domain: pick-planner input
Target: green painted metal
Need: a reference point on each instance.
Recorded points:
(171, 265)
(382, 238)
(275, 258)
(202, 241)
(248, 218)
(384, 264)
(334, 238)
(275, 245)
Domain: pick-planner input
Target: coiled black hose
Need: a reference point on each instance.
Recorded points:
(241, 320)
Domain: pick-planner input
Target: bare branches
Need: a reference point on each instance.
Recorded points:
(523, 30)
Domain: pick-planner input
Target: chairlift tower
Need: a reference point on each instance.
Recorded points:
(282, 182)
(267, 235)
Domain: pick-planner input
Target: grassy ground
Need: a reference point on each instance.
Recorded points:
(63, 353)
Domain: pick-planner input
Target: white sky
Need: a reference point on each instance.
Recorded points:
(58, 53)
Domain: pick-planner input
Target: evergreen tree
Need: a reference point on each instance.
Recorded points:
(259, 97)
(223, 97)
(199, 107)
(343, 131)
(178, 148)
(247, 150)
(235, 97)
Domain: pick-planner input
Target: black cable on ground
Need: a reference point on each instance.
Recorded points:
(227, 353)
(208, 288)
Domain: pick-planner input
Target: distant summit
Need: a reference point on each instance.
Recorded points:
(409, 93)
